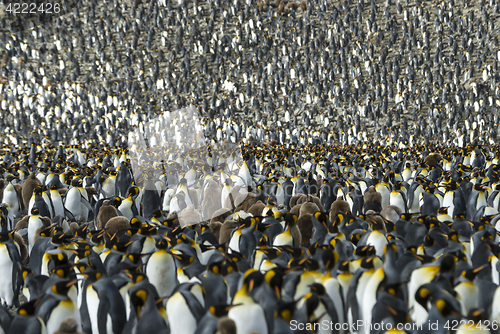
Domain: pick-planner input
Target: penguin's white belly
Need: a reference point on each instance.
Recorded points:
(11, 198)
(6, 291)
(58, 206)
(248, 319)
(377, 240)
(33, 226)
(62, 311)
(93, 307)
(180, 317)
(161, 272)
(73, 203)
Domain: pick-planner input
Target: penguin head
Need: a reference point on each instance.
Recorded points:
(285, 311)
(318, 288)
(477, 315)
(138, 300)
(445, 308)
(448, 263)
(252, 279)
(62, 270)
(6, 235)
(135, 223)
(371, 262)
(91, 275)
(62, 287)
(184, 258)
(163, 243)
(220, 310)
(135, 276)
(148, 230)
(329, 257)
(116, 202)
(29, 308)
(274, 278)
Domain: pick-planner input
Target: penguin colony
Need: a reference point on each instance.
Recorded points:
(344, 208)
(285, 239)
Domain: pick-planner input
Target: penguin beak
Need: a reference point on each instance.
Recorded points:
(231, 306)
(71, 283)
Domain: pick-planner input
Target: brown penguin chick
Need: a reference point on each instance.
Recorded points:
(19, 191)
(220, 215)
(373, 217)
(281, 8)
(296, 209)
(189, 216)
(91, 191)
(339, 205)
(226, 326)
(260, 6)
(292, 5)
(73, 227)
(311, 198)
(211, 200)
(68, 326)
(22, 223)
(106, 212)
(117, 225)
(226, 229)
(215, 227)
(303, 6)
(308, 208)
(246, 201)
(257, 208)
(391, 213)
(29, 185)
(22, 246)
(304, 223)
(372, 200)
(432, 160)
(294, 199)
(297, 235)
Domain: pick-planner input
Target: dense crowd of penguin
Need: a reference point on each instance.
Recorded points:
(288, 236)
(347, 174)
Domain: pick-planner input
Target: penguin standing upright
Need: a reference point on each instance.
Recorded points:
(124, 180)
(56, 306)
(161, 270)
(11, 279)
(57, 201)
(11, 196)
(27, 321)
(150, 198)
(76, 204)
(184, 312)
(147, 314)
(28, 186)
(34, 224)
(372, 200)
(248, 315)
(102, 305)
